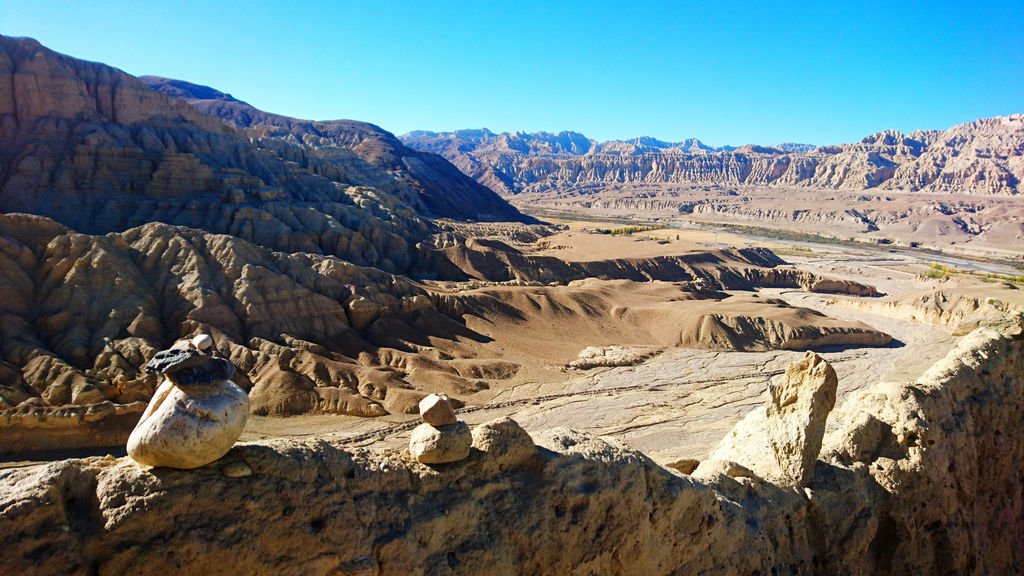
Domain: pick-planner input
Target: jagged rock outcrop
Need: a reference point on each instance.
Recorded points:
(985, 157)
(796, 415)
(780, 441)
(81, 313)
(100, 151)
(916, 484)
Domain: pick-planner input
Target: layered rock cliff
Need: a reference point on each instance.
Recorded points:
(424, 180)
(915, 478)
(100, 151)
(985, 157)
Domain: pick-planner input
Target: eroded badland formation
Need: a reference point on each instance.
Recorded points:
(633, 393)
(956, 190)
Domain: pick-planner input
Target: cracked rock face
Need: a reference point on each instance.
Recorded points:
(796, 416)
(195, 416)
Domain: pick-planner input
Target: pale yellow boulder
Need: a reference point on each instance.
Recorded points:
(797, 410)
(440, 445)
(437, 410)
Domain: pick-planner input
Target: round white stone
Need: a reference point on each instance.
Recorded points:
(189, 428)
(202, 342)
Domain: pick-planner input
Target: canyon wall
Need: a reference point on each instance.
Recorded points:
(914, 478)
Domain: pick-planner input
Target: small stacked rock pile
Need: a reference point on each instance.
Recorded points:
(196, 414)
(441, 438)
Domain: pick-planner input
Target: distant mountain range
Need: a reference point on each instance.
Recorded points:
(985, 157)
(568, 143)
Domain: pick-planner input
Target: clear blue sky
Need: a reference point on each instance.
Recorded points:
(726, 72)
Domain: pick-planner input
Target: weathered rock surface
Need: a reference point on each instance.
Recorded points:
(175, 359)
(919, 496)
(215, 370)
(440, 444)
(796, 414)
(781, 440)
(711, 468)
(505, 444)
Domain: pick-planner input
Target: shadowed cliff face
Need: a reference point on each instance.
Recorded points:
(985, 157)
(424, 180)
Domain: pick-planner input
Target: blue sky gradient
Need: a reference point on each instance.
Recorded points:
(726, 72)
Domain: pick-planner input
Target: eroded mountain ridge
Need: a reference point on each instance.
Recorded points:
(984, 157)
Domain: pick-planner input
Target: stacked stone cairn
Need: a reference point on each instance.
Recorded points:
(441, 438)
(197, 412)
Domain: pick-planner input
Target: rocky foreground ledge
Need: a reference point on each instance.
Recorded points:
(921, 477)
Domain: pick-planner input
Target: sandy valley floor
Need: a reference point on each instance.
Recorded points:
(680, 403)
